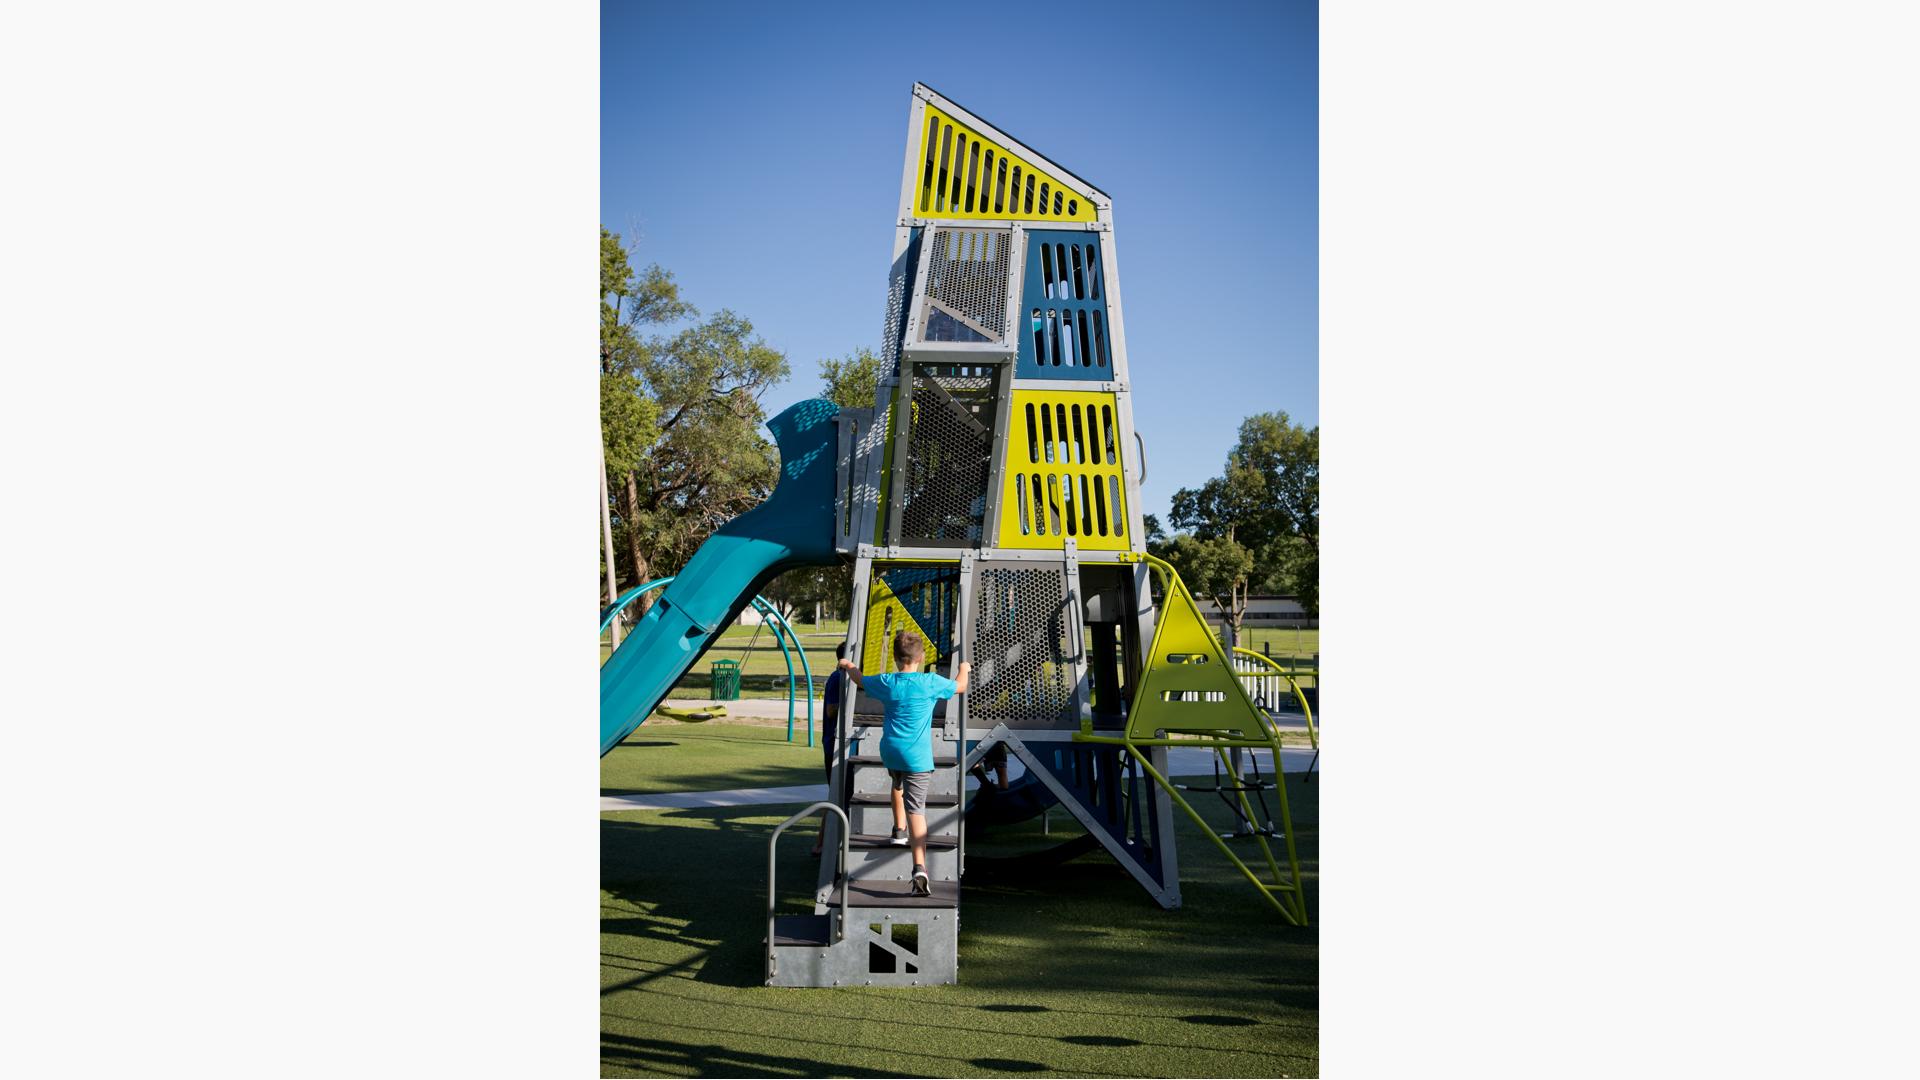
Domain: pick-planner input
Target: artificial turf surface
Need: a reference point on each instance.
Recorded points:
(1074, 972)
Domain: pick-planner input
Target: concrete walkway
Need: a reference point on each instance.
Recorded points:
(1182, 761)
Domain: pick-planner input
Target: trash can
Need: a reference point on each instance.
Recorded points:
(726, 680)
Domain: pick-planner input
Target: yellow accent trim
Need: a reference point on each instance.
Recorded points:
(1071, 444)
(977, 188)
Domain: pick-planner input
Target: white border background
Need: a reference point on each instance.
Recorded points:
(1618, 353)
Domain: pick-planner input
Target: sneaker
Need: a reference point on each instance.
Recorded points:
(922, 886)
(899, 838)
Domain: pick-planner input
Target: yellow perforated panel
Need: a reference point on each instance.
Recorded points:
(1063, 476)
(964, 174)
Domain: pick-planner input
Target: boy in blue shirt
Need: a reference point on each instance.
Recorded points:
(906, 743)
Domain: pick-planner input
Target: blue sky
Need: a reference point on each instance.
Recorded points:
(755, 150)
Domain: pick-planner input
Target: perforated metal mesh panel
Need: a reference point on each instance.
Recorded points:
(1065, 332)
(899, 294)
(1023, 668)
(964, 174)
(1064, 474)
(949, 454)
(966, 286)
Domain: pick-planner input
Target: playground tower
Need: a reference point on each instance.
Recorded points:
(990, 502)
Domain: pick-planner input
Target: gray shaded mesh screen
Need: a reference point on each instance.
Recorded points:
(966, 286)
(949, 456)
(1021, 668)
(899, 285)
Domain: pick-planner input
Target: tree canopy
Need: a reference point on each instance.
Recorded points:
(852, 383)
(680, 414)
(1256, 527)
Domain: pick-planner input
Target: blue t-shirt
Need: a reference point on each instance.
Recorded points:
(905, 745)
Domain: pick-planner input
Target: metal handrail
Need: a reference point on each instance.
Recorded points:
(846, 857)
(1312, 735)
(767, 611)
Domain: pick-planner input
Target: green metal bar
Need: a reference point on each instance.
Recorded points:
(780, 624)
(1312, 735)
(1246, 807)
(807, 667)
(767, 615)
(1295, 913)
(1206, 828)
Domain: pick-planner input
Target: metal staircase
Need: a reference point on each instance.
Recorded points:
(867, 928)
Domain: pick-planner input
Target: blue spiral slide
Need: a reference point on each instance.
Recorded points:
(794, 527)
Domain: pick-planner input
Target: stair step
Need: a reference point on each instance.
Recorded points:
(939, 760)
(883, 798)
(810, 931)
(876, 840)
(866, 894)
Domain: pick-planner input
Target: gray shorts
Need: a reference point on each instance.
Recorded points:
(912, 787)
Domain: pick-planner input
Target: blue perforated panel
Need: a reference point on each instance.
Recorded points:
(1063, 311)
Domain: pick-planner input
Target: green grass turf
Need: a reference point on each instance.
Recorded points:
(1074, 973)
(708, 757)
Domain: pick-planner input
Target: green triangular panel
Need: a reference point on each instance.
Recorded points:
(1188, 684)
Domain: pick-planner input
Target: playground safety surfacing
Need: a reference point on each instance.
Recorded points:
(1075, 972)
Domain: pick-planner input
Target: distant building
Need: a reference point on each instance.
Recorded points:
(1283, 612)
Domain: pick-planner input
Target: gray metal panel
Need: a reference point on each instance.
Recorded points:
(1117, 331)
(1076, 605)
(924, 552)
(849, 962)
(910, 170)
(846, 472)
(873, 454)
(964, 271)
(1002, 223)
(1025, 663)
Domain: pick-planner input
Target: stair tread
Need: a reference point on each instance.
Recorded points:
(946, 894)
(879, 840)
(810, 931)
(939, 760)
(882, 798)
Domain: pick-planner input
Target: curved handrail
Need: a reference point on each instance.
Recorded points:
(846, 858)
(628, 597)
(1312, 735)
(780, 623)
(766, 610)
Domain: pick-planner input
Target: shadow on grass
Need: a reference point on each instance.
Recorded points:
(715, 1060)
(698, 878)
(674, 759)
(1224, 964)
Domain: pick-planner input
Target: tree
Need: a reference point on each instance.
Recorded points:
(680, 415)
(1266, 504)
(1218, 567)
(628, 415)
(710, 463)
(852, 383)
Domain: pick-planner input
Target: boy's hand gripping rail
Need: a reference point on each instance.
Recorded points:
(846, 857)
